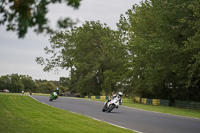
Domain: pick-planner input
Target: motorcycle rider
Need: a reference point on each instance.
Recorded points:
(56, 90)
(119, 96)
(54, 95)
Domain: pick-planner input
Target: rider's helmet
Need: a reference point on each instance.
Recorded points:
(120, 94)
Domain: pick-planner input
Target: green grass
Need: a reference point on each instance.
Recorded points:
(195, 113)
(22, 114)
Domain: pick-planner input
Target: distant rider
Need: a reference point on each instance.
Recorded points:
(56, 90)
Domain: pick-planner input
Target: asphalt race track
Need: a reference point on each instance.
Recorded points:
(134, 119)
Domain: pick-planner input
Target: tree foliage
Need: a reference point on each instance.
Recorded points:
(11, 82)
(164, 48)
(28, 83)
(94, 54)
(154, 53)
(21, 15)
(46, 87)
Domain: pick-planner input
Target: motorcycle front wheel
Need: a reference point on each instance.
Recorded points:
(111, 107)
(50, 99)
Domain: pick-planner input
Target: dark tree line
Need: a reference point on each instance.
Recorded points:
(17, 83)
(155, 52)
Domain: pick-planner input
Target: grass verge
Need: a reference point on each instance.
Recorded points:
(22, 114)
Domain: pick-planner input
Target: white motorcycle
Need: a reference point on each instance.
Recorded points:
(110, 105)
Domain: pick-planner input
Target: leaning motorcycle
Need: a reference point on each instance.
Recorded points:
(110, 105)
(53, 96)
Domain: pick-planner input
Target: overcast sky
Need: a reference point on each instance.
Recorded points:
(18, 55)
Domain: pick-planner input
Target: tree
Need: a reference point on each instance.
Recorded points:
(4, 82)
(29, 84)
(15, 83)
(191, 49)
(95, 55)
(64, 81)
(46, 87)
(163, 48)
(21, 15)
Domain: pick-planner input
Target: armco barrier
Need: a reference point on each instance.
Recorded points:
(156, 101)
(97, 97)
(164, 102)
(103, 97)
(93, 97)
(197, 105)
(137, 99)
(144, 100)
(149, 101)
(183, 104)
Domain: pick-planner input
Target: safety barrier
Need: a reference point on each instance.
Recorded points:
(184, 104)
(156, 102)
(144, 100)
(164, 102)
(137, 99)
(103, 97)
(93, 97)
(98, 97)
(149, 101)
(152, 101)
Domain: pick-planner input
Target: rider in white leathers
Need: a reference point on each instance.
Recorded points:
(118, 96)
